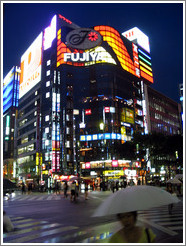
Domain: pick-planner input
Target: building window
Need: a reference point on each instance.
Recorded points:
(47, 130)
(48, 62)
(35, 103)
(47, 118)
(48, 73)
(47, 94)
(47, 83)
(36, 92)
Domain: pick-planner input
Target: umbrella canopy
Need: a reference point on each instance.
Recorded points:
(7, 184)
(174, 181)
(75, 178)
(134, 198)
(179, 176)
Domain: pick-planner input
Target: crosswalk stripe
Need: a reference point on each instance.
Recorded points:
(49, 198)
(42, 234)
(23, 221)
(170, 222)
(30, 224)
(157, 226)
(40, 198)
(175, 227)
(168, 218)
(161, 215)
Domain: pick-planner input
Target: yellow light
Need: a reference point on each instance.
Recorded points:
(101, 126)
(142, 63)
(145, 70)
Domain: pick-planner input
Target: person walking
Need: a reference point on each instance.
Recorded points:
(7, 224)
(57, 188)
(86, 191)
(130, 233)
(112, 186)
(73, 191)
(23, 188)
(65, 189)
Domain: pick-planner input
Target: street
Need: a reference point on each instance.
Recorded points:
(51, 218)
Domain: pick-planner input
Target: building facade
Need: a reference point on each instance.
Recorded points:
(163, 114)
(10, 107)
(81, 92)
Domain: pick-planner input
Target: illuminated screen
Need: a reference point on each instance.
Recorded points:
(127, 115)
(75, 57)
(31, 66)
(49, 34)
(11, 89)
(100, 136)
(136, 34)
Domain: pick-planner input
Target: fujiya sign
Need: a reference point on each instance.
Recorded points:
(83, 38)
(83, 57)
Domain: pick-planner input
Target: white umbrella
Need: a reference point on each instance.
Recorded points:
(174, 181)
(75, 178)
(179, 176)
(135, 198)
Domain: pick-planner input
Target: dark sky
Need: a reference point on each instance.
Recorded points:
(161, 22)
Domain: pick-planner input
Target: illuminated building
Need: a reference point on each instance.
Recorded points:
(181, 101)
(10, 105)
(80, 93)
(164, 114)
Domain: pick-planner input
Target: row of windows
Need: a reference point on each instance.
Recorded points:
(26, 149)
(25, 159)
(27, 128)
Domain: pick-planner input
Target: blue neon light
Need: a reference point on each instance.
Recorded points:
(144, 54)
(8, 95)
(118, 97)
(100, 136)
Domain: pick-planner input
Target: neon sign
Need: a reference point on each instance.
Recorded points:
(49, 34)
(82, 57)
(77, 52)
(83, 38)
(31, 66)
(136, 34)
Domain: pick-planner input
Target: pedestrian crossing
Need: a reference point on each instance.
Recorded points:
(29, 230)
(160, 219)
(35, 197)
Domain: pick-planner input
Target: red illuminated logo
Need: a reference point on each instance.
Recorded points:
(83, 38)
(107, 109)
(88, 111)
(92, 36)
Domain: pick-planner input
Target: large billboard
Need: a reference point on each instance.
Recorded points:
(73, 51)
(11, 89)
(31, 66)
(136, 34)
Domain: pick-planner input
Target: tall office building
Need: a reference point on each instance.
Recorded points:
(164, 114)
(10, 106)
(81, 92)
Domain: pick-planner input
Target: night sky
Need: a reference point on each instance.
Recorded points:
(161, 22)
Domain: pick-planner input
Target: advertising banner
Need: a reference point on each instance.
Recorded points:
(31, 66)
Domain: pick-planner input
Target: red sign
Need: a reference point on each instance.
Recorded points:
(88, 111)
(115, 163)
(87, 165)
(107, 109)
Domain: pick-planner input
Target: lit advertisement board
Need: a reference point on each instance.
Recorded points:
(8, 90)
(49, 33)
(11, 89)
(127, 115)
(100, 136)
(31, 66)
(136, 34)
(130, 62)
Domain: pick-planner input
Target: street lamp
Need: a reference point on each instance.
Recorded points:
(101, 126)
